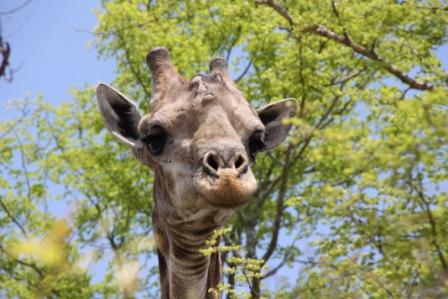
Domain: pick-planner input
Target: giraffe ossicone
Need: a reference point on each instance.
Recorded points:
(200, 139)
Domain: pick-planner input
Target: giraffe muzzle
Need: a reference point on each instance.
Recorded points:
(225, 181)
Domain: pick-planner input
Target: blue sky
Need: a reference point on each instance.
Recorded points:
(47, 45)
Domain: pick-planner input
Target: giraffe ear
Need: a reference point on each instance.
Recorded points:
(120, 115)
(272, 116)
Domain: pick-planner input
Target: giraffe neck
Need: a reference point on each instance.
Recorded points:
(188, 267)
(185, 271)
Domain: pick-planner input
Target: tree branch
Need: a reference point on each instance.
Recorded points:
(433, 8)
(23, 114)
(233, 41)
(323, 31)
(23, 263)
(13, 218)
(286, 257)
(244, 72)
(280, 205)
(16, 9)
(369, 53)
(131, 67)
(348, 77)
(371, 277)
(24, 166)
(278, 8)
(5, 50)
(432, 222)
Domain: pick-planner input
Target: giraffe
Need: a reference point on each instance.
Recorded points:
(200, 139)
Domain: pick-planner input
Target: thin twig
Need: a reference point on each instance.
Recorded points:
(349, 77)
(23, 263)
(244, 72)
(24, 166)
(285, 258)
(373, 279)
(16, 9)
(13, 218)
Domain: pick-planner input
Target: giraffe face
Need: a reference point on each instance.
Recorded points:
(201, 136)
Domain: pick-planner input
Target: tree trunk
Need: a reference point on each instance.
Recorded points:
(255, 290)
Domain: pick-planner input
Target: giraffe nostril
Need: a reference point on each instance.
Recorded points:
(240, 164)
(239, 161)
(211, 163)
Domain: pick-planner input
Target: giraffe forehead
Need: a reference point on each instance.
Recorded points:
(212, 90)
(206, 99)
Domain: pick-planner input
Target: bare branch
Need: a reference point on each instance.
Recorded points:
(5, 50)
(335, 10)
(348, 77)
(280, 9)
(244, 72)
(16, 9)
(286, 257)
(233, 41)
(253, 289)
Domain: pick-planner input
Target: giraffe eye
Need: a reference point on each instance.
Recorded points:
(256, 143)
(156, 140)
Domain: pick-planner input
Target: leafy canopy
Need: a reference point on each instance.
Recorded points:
(354, 205)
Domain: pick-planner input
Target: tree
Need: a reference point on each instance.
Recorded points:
(355, 202)
(5, 49)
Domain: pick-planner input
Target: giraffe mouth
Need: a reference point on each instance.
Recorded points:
(227, 189)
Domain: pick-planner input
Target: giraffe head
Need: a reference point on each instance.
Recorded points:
(201, 136)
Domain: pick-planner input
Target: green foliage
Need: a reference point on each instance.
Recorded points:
(242, 268)
(355, 202)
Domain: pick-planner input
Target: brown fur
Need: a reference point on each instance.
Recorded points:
(202, 172)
